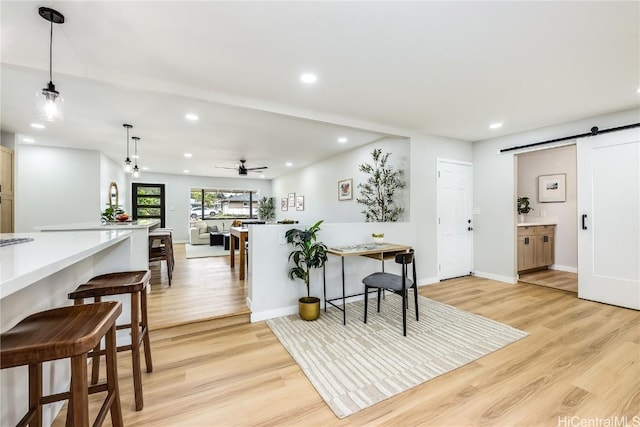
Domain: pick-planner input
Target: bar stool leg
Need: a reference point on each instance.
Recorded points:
(112, 377)
(145, 333)
(79, 404)
(34, 416)
(135, 349)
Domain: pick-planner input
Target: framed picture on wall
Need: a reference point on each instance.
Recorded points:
(552, 188)
(300, 203)
(345, 189)
(292, 200)
(284, 204)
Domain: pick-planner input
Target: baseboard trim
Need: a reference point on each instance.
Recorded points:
(491, 276)
(272, 314)
(564, 268)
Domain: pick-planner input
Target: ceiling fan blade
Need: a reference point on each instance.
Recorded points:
(224, 167)
(258, 168)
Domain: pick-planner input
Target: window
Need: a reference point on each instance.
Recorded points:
(148, 201)
(223, 204)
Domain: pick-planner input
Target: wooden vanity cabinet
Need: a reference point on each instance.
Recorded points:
(535, 247)
(6, 190)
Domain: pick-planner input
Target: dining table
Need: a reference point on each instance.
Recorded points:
(242, 233)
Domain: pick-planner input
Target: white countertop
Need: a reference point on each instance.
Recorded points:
(541, 221)
(141, 223)
(25, 263)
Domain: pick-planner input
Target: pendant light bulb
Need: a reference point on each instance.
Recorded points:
(49, 101)
(127, 161)
(136, 170)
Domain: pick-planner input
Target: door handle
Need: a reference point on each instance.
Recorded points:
(584, 225)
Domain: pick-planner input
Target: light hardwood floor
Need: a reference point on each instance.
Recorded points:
(202, 289)
(553, 279)
(581, 359)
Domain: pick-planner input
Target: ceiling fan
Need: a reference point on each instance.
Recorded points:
(242, 169)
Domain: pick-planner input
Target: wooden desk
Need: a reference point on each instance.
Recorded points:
(242, 234)
(370, 250)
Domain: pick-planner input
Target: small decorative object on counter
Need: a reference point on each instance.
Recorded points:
(378, 238)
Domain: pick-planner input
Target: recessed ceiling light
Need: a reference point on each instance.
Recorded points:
(186, 171)
(28, 140)
(188, 155)
(288, 164)
(145, 168)
(135, 156)
(262, 176)
(638, 90)
(308, 78)
(191, 116)
(37, 125)
(495, 125)
(342, 140)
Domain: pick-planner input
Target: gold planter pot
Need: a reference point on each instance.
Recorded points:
(309, 308)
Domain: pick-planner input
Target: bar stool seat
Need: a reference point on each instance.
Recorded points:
(60, 333)
(124, 282)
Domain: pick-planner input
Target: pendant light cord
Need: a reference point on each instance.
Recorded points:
(51, 52)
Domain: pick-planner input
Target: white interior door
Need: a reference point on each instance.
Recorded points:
(609, 218)
(455, 214)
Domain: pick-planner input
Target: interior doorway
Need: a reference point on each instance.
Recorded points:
(557, 219)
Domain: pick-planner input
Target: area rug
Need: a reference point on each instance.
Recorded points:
(355, 366)
(203, 251)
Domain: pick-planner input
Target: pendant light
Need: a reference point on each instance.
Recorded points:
(136, 171)
(48, 99)
(127, 161)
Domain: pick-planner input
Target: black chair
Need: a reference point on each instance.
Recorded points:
(398, 284)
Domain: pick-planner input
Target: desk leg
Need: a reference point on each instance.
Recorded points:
(324, 285)
(232, 251)
(344, 305)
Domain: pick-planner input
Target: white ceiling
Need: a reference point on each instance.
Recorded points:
(384, 68)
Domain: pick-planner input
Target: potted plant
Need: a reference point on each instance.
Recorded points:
(308, 253)
(267, 209)
(110, 213)
(378, 193)
(523, 208)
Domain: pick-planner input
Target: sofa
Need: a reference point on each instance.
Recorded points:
(199, 233)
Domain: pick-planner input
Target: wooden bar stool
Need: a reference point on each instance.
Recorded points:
(125, 282)
(61, 333)
(161, 249)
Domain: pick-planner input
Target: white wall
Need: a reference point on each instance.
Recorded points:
(178, 191)
(111, 171)
(8, 139)
(55, 186)
(495, 195)
(318, 183)
(561, 160)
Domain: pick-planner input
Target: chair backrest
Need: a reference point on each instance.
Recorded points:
(405, 257)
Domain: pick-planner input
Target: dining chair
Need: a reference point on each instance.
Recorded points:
(398, 284)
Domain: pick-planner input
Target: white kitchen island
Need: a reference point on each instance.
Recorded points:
(36, 276)
(139, 236)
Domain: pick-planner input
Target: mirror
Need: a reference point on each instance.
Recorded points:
(113, 195)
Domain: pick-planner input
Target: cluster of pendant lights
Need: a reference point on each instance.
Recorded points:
(127, 162)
